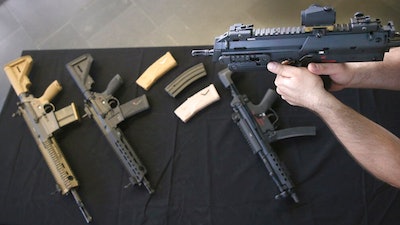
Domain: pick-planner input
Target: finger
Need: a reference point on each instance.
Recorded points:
(278, 90)
(282, 96)
(282, 92)
(326, 68)
(278, 69)
(278, 80)
(273, 67)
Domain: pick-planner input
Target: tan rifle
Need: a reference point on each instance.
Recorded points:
(42, 120)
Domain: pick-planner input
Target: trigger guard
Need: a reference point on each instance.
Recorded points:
(113, 103)
(48, 108)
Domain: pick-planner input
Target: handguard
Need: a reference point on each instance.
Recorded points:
(255, 125)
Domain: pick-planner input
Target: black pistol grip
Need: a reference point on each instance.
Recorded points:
(266, 103)
(327, 81)
(113, 85)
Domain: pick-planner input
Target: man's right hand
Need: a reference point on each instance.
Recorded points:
(341, 74)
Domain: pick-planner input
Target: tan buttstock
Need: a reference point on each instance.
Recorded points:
(17, 72)
(52, 90)
(156, 70)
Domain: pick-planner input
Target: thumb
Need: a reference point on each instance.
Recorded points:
(273, 67)
(279, 69)
(325, 68)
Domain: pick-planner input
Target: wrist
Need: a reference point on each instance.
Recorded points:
(363, 75)
(324, 104)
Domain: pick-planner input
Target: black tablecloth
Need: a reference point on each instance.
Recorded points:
(203, 171)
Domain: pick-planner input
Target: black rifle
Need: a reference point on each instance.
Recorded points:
(107, 112)
(243, 48)
(259, 131)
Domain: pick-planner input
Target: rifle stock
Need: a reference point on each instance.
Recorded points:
(17, 73)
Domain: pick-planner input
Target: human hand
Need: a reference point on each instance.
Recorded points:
(298, 86)
(341, 74)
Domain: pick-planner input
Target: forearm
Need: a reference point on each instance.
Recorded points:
(379, 75)
(376, 75)
(375, 148)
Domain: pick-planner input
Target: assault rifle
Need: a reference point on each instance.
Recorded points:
(42, 120)
(255, 125)
(319, 39)
(107, 112)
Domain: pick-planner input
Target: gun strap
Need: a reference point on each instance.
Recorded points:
(185, 79)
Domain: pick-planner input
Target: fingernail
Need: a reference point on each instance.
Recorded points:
(271, 66)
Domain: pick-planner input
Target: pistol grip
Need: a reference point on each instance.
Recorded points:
(266, 103)
(52, 90)
(113, 85)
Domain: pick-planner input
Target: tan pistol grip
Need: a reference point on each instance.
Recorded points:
(156, 70)
(52, 90)
(17, 72)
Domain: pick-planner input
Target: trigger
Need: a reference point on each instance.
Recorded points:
(288, 62)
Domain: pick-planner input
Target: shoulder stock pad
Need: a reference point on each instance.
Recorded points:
(17, 72)
(79, 69)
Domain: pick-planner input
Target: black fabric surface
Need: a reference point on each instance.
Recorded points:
(203, 171)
